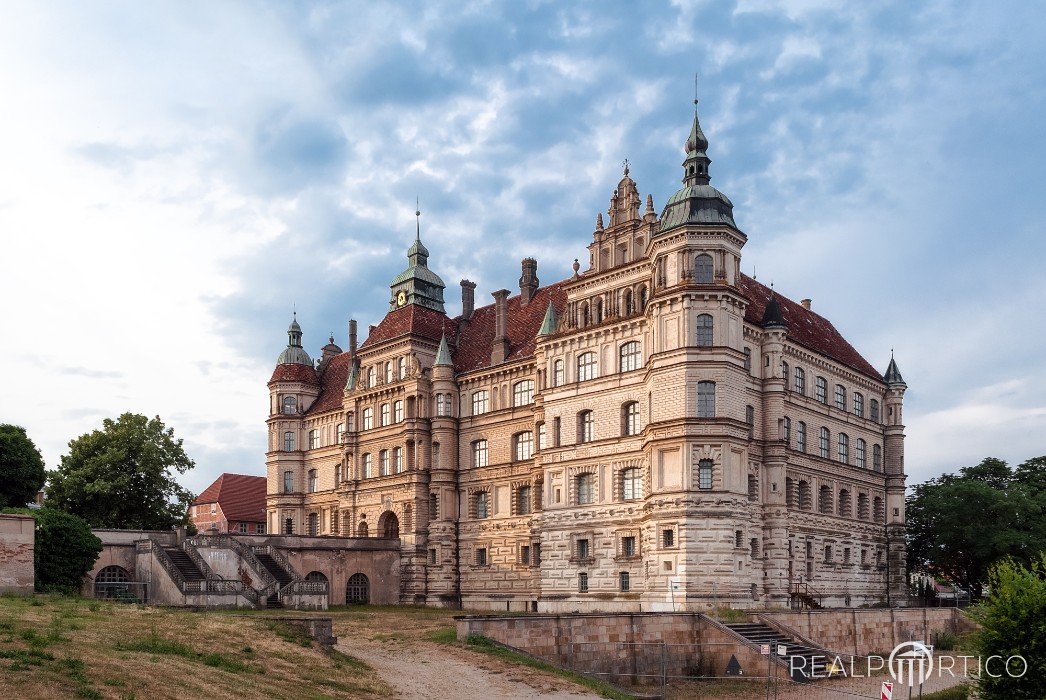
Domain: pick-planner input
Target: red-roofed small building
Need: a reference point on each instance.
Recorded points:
(658, 431)
(233, 503)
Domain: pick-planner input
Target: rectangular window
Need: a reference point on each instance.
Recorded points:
(668, 538)
(585, 426)
(557, 373)
(825, 443)
(858, 404)
(480, 402)
(556, 432)
(365, 466)
(624, 582)
(582, 548)
(314, 439)
(523, 505)
(482, 501)
(397, 412)
(368, 418)
(432, 555)
(704, 474)
(800, 381)
(542, 436)
(259, 528)
(242, 528)
(288, 482)
(628, 546)
(748, 360)
(479, 453)
(312, 481)
(706, 399)
(822, 390)
(524, 445)
(582, 582)
(800, 437)
(586, 491)
(384, 414)
(840, 397)
(524, 555)
(481, 556)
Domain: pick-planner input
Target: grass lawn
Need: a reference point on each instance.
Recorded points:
(57, 647)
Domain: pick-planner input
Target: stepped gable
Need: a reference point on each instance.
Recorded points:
(241, 496)
(332, 385)
(805, 327)
(477, 336)
(294, 373)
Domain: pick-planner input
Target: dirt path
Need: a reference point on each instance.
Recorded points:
(396, 646)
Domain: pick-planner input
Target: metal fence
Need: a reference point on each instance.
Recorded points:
(122, 591)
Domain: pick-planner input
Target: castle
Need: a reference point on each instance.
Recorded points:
(659, 431)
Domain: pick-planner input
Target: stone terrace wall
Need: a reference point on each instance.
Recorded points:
(861, 632)
(17, 540)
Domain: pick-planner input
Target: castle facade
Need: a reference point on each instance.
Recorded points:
(659, 431)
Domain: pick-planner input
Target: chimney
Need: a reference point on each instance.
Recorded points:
(468, 299)
(806, 304)
(352, 337)
(370, 330)
(528, 283)
(500, 350)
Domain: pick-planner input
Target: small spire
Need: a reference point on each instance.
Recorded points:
(772, 317)
(650, 204)
(576, 266)
(548, 325)
(417, 214)
(893, 374)
(625, 164)
(443, 354)
(599, 221)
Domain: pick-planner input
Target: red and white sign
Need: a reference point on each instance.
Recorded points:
(764, 649)
(887, 691)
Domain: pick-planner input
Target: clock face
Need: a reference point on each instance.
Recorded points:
(401, 298)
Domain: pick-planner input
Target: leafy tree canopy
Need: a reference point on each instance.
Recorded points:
(960, 525)
(1012, 625)
(21, 467)
(65, 550)
(122, 476)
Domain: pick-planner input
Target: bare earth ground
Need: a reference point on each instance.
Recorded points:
(396, 643)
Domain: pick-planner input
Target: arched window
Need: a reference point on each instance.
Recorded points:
(840, 397)
(362, 530)
(800, 436)
(789, 492)
(383, 463)
(401, 368)
(706, 399)
(805, 496)
(845, 504)
(873, 410)
(372, 377)
(481, 504)
(385, 414)
(862, 462)
(479, 453)
(800, 381)
(825, 502)
(703, 269)
(365, 466)
(631, 484)
(290, 404)
(629, 356)
(704, 331)
(558, 377)
(317, 577)
(111, 582)
(642, 298)
(786, 426)
(314, 439)
(523, 503)
(586, 424)
(357, 589)
(288, 441)
(597, 311)
(368, 418)
(704, 474)
(388, 525)
(397, 411)
(858, 404)
(844, 448)
(862, 506)
(822, 390)
(480, 402)
(524, 445)
(388, 373)
(397, 460)
(630, 418)
(826, 446)
(877, 458)
(628, 303)
(586, 366)
(586, 315)
(586, 488)
(312, 481)
(879, 510)
(441, 405)
(523, 393)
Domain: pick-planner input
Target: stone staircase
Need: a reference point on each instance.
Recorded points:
(186, 567)
(814, 659)
(278, 573)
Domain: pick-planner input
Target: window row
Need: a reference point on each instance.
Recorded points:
(389, 462)
(627, 302)
(390, 371)
(857, 407)
(800, 495)
(824, 444)
(630, 357)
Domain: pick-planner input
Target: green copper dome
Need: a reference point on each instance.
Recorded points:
(294, 354)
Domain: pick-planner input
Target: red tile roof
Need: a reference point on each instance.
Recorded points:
(294, 373)
(241, 497)
(806, 328)
(471, 348)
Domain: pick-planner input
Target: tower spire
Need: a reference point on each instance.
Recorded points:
(695, 167)
(417, 214)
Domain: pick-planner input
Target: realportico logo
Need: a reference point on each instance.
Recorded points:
(910, 663)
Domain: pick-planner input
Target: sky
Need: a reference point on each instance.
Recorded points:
(176, 178)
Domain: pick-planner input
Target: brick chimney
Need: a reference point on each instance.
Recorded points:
(528, 283)
(806, 303)
(352, 337)
(500, 350)
(468, 299)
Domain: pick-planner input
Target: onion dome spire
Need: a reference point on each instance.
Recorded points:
(294, 354)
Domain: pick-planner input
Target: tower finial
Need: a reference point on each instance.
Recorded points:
(625, 164)
(695, 90)
(417, 214)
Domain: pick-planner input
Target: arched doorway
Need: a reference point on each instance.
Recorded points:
(388, 525)
(318, 577)
(357, 590)
(112, 582)
(361, 529)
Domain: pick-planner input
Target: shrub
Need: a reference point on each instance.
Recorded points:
(66, 549)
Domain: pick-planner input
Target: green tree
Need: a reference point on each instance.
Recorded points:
(21, 467)
(960, 525)
(122, 476)
(65, 550)
(1012, 625)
